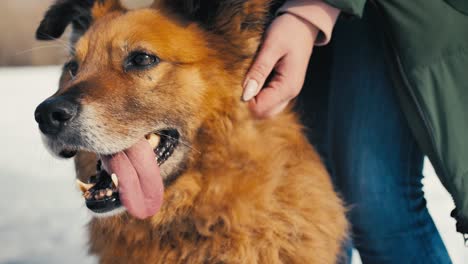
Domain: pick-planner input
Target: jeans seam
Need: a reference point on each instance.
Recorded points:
(418, 222)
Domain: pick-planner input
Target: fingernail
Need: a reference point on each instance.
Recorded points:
(250, 91)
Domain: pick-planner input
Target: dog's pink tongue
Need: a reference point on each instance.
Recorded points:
(140, 184)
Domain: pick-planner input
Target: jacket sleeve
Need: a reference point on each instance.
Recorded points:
(351, 7)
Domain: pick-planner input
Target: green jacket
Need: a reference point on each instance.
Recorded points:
(428, 53)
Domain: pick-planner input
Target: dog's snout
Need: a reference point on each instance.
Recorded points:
(54, 114)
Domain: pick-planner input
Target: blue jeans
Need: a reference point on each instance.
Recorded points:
(358, 127)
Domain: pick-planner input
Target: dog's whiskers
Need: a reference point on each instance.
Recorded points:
(65, 44)
(188, 145)
(37, 48)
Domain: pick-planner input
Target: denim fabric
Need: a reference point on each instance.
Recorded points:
(357, 126)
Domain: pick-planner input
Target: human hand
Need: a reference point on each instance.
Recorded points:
(284, 54)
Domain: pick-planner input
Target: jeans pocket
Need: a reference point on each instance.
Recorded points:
(460, 5)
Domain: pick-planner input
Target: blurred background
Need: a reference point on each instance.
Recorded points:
(19, 19)
(42, 215)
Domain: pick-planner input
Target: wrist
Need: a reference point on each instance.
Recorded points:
(315, 12)
(303, 26)
(312, 28)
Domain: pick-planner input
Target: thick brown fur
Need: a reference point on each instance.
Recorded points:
(252, 191)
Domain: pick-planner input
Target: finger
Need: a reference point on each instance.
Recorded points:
(260, 70)
(279, 91)
(278, 109)
(269, 113)
(266, 101)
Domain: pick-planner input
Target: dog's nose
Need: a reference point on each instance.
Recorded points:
(54, 114)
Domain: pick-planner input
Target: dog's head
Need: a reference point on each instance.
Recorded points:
(157, 73)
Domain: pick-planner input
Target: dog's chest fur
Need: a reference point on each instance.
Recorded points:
(268, 203)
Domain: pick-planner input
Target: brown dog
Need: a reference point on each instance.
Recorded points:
(214, 185)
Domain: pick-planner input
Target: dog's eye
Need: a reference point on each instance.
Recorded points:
(72, 68)
(140, 60)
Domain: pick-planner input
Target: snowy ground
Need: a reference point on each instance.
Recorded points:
(42, 216)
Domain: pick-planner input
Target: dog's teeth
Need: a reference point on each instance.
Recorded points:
(84, 187)
(109, 193)
(87, 195)
(115, 181)
(153, 140)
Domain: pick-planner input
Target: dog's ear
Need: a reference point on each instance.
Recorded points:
(234, 19)
(79, 13)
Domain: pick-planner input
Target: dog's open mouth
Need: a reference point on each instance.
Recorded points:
(131, 178)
